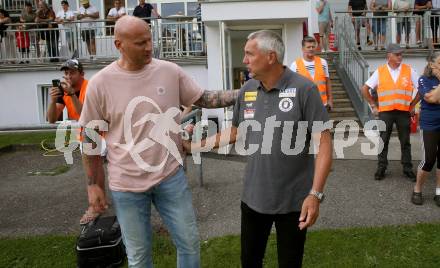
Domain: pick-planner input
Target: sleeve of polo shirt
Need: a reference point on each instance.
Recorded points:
(424, 86)
(373, 81)
(236, 113)
(189, 90)
(313, 109)
(92, 109)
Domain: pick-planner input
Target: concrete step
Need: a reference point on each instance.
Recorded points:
(342, 103)
(342, 112)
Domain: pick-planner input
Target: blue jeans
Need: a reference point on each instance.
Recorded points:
(173, 200)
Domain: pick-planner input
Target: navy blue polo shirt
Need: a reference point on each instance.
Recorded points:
(279, 174)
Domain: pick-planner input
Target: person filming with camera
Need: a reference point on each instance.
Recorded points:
(69, 93)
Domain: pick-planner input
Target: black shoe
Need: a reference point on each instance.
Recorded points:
(417, 198)
(437, 200)
(380, 174)
(410, 175)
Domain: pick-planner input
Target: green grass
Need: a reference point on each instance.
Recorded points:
(393, 246)
(26, 138)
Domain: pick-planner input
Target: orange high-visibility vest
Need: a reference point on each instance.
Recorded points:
(71, 111)
(394, 95)
(320, 80)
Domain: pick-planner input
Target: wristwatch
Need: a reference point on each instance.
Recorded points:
(320, 196)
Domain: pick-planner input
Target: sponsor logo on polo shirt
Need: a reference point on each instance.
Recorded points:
(250, 96)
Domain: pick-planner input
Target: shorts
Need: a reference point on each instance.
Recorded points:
(359, 22)
(87, 35)
(324, 28)
(405, 23)
(379, 26)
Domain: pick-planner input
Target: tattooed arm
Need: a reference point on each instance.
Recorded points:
(94, 169)
(217, 98)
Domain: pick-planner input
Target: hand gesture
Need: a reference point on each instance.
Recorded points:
(309, 212)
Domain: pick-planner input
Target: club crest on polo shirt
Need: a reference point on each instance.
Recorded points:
(250, 95)
(288, 93)
(285, 105)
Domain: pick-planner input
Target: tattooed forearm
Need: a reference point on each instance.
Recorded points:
(217, 98)
(92, 163)
(94, 169)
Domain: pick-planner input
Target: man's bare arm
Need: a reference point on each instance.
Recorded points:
(217, 98)
(93, 164)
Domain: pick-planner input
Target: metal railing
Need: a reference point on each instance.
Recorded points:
(375, 32)
(352, 67)
(12, 5)
(95, 40)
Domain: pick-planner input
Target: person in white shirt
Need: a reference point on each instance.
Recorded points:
(395, 84)
(64, 17)
(116, 12)
(88, 13)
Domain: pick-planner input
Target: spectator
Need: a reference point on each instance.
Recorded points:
(7, 49)
(152, 175)
(65, 17)
(315, 69)
(380, 24)
(280, 187)
(88, 13)
(421, 6)
(358, 21)
(48, 30)
(72, 97)
(430, 131)
(395, 83)
(116, 12)
(325, 22)
(28, 16)
(74, 91)
(435, 20)
(23, 43)
(144, 10)
(403, 21)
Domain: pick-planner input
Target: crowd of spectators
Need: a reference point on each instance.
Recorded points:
(47, 31)
(376, 18)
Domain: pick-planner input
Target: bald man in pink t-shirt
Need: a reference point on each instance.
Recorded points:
(135, 101)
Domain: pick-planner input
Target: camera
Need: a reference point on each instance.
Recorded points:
(57, 83)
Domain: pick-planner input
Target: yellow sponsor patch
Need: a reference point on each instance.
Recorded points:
(250, 96)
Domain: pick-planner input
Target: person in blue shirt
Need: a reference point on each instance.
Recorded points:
(430, 130)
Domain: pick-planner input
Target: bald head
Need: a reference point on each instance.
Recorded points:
(133, 40)
(128, 26)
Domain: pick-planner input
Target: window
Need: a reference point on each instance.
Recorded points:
(169, 9)
(191, 9)
(43, 102)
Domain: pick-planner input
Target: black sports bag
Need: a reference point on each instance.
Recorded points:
(100, 244)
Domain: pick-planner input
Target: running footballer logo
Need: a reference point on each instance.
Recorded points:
(164, 123)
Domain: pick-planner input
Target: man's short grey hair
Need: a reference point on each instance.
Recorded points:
(269, 41)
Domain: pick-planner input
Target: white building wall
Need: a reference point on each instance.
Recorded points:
(20, 105)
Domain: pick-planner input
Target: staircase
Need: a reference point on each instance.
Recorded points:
(342, 106)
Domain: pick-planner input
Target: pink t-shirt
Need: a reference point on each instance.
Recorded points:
(142, 112)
